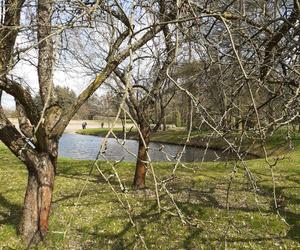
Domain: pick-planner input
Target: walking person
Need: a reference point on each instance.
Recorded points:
(84, 124)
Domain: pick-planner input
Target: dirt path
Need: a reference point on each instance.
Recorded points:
(73, 126)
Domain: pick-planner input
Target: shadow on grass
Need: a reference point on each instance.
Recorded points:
(205, 197)
(191, 198)
(293, 219)
(13, 214)
(118, 240)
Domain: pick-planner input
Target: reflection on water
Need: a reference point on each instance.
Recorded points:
(86, 147)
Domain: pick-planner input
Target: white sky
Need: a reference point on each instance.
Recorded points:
(75, 81)
(25, 72)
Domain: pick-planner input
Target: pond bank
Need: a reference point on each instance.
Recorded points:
(275, 145)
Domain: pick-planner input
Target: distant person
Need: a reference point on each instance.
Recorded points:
(102, 124)
(84, 124)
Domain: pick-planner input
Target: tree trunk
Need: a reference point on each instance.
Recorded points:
(141, 165)
(38, 197)
(164, 123)
(189, 115)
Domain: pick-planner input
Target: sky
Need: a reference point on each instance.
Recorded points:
(74, 78)
(28, 75)
(26, 72)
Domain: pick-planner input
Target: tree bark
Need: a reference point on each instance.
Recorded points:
(164, 123)
(141, 163)
(38, 198)
(189, 115)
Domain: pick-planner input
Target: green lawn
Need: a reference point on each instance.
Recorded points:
(99, 221)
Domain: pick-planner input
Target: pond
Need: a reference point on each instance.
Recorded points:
(86, 147)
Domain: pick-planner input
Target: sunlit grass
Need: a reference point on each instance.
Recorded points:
(99, 221)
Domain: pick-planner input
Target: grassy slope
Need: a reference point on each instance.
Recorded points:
(100, 222)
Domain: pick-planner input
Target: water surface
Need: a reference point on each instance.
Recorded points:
(86, 147)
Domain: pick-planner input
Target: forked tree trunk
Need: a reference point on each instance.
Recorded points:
(141, 163)
(38, 198)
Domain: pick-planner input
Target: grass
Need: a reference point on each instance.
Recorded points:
(99, 221)
(97, 131)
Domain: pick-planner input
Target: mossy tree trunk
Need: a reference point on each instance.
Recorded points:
(38, 198)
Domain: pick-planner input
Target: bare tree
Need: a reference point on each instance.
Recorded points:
(245, 63)
(147, 101)
(248, 52)
(36, 145)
